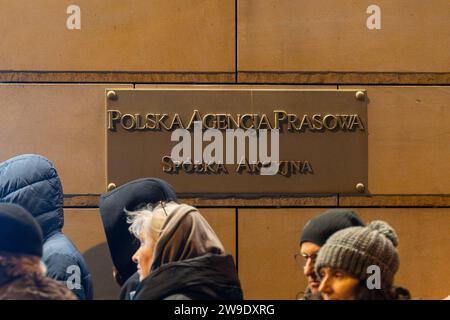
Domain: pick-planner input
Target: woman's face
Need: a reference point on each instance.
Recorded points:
(144, 256)
(337, 284)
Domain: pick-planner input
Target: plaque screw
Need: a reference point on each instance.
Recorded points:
(360, 95)
(360, 187)
(111, 95)
(111, 186)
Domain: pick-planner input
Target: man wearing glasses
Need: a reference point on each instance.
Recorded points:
(314, 235)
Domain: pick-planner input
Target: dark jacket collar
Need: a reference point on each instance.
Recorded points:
(210, 276)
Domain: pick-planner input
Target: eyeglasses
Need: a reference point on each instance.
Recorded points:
(302, 259)
(162, 203)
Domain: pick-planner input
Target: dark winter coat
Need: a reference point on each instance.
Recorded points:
(32, 182)
(208, 277)
(129, 287)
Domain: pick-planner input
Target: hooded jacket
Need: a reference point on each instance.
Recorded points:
(122, 244)
(189, 261)
(32, 182)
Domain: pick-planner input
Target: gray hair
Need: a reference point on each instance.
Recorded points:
(148, 221)
(139, 220)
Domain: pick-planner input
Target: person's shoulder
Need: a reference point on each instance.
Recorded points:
(58, 246)
(59, 264)
(54, 290)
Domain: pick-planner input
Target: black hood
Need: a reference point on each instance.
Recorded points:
(131, 196)
(208, 277)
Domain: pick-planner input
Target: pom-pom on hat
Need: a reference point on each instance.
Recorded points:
(354, 249)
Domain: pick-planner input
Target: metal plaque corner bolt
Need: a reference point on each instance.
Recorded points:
(111, 95)
(111, 186)
(360, 95)
(360, 188)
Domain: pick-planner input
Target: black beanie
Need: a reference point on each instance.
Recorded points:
(321, 227)
(19, 232)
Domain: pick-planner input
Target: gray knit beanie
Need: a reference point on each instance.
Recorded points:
(354, 249)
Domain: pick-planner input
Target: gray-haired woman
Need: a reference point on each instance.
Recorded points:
(181, 257)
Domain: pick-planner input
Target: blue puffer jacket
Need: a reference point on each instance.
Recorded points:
(32, 182)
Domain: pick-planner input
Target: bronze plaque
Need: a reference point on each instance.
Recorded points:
(223, 141)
